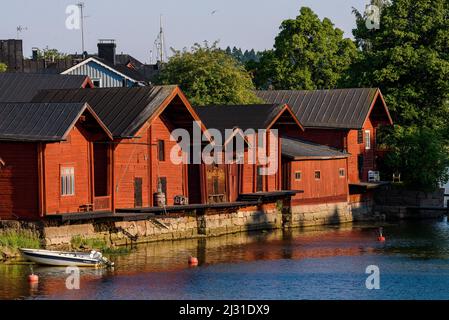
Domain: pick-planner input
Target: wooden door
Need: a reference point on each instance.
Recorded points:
(138, 192)
(216, 183)
(234, 181)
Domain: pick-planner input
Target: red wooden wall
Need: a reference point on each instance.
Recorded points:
(19, 193)
(329, 188)
(72, 153)
(138, 158)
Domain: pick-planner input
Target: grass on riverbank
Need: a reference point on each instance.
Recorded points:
(12, 240)
(101, 245)
(19, 239)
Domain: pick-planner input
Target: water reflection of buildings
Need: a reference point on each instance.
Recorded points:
(294, 244)
(167, 261)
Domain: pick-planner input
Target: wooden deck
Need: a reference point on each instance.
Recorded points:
(135, 214)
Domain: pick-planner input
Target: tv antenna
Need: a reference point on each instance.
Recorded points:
(20, 29)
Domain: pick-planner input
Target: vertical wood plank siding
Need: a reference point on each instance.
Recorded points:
(19, 192)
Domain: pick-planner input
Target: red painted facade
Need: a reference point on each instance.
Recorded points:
(363, 155)
(30, 180)
(330, 187)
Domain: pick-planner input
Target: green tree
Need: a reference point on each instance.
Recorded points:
(420, 154)
(309, 53)
(208, 75)
(408, 58)
(3, 67)
(50, 54)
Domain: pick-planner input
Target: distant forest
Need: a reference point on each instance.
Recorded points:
(244, 57)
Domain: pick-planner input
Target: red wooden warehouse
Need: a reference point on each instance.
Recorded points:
(48, 162)
(244, 177)
(137, 164)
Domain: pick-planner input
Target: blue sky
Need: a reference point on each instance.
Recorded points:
(135, 23)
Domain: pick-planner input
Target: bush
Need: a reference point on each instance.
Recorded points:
(419, 154)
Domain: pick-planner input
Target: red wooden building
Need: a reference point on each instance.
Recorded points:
(47, 157)
(320, 171)
(226, 182)
(346, 119)
(141, 120)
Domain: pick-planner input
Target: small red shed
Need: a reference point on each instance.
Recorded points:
(320, 171)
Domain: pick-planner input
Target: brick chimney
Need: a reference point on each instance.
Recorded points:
(106, 50)
(11, 54)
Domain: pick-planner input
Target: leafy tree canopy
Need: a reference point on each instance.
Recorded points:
(208, 75)
(408, 58)
(50, 54)
(308, 53)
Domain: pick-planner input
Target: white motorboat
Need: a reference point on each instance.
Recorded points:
(66, 259)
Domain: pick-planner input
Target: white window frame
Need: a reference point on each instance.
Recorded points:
(319, 173)
(67, 181)
(340, 170)
(367, 137)
(100, 81)
(300, 175)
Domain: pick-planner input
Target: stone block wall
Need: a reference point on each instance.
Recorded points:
(318, 214)
(188, 226)
(401, 197)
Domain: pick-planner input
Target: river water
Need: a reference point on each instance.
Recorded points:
(310, 263)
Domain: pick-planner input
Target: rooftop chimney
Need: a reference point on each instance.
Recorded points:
(106, 50)
(35, 53)
(11, 53)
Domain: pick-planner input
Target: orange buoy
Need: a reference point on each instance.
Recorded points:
(193, 261)
(33, 278)
(381, 238)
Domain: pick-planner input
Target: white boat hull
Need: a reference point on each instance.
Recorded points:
(59, 258)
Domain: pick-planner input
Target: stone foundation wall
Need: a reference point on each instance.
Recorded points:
(397, 204)
(318, 214)
(363, 211)
(167, 228)
(401, 197)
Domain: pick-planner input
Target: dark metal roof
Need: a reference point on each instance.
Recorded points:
(122, 110)
(300, 149)
(254, 116)
(38, 121)
(338, 108)
(22, 87)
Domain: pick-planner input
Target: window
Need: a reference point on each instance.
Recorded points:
(360, 162)
(161, 150)
(367, 139)
(298, 175)
(341, 172)
(67, 181)
(97, 83)
(162, 185)
(259, 181)
(317, 175)
(360, 136)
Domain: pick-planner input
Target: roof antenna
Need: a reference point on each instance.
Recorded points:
(81, 6)
(160, 42)
(19, 30)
